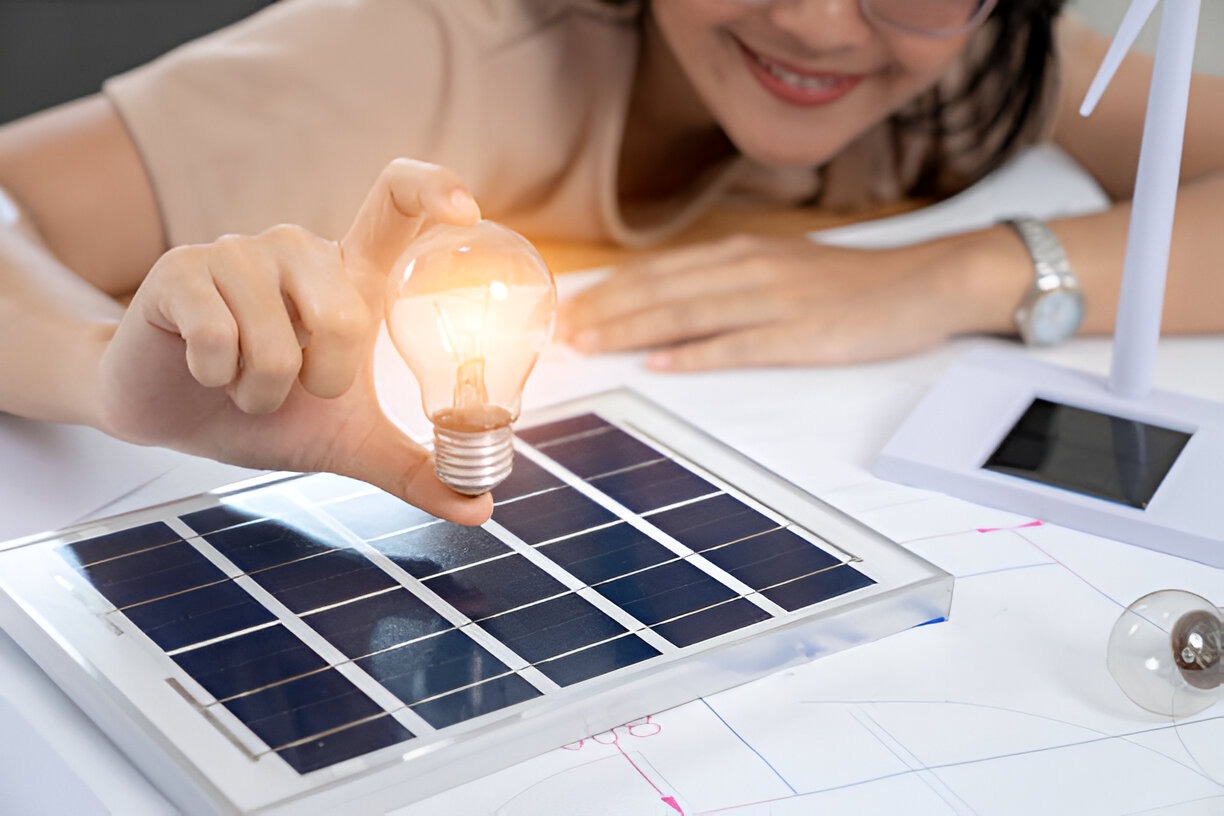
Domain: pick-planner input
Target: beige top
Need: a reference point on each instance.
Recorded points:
(288, 116)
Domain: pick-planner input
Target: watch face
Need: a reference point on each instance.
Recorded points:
(1055, 316)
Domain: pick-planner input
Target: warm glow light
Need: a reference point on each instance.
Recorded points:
(469, 311)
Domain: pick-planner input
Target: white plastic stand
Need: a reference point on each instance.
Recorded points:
(945, 442)
(955, 428)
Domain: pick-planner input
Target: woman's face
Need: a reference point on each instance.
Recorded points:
(792, 82)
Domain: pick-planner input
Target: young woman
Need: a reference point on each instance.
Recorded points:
(250, 341)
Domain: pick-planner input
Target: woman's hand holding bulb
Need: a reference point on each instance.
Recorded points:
(258, 351)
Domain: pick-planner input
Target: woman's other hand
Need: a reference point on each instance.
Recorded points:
(766, 301)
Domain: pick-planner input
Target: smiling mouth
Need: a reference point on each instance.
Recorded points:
(799, 87)
(801, 81)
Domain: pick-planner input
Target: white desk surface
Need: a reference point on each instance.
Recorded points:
(1005, 708)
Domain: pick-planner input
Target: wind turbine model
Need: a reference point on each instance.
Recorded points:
(1151, 226)
(1113, 456)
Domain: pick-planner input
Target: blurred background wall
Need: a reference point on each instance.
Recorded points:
(55, 50)
(1104, 15)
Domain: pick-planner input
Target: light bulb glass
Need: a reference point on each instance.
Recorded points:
(1165, 652)
(469, 308)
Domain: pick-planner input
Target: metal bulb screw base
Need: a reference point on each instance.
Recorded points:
(1197, 639)
(1165, 652)
(473, 462)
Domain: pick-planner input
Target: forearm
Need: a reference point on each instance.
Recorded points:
(991, 270)
(53, 327)
(1096, 246)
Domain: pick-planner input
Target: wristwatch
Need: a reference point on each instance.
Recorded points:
(1053, 308)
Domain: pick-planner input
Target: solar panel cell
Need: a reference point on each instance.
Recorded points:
(304, 707)
(549, 628)
(113, 545)
(596, 454)
(493, 587)
(377, 622)
(770, 558)
(330, 749)
(526, 478)
(546, 516)
(202, 614)
(322, 580)
(597, 660)
(711, 522)
(607, 553)
(819, 587)
(465, 704)
(249, 661)
(271, 542)
(436, 548)
(655, 485)
(155, 573)
(666, 591)
(372, 515)
(438, 666)
(711, 622)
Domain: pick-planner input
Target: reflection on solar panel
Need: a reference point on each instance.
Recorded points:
(308, 642)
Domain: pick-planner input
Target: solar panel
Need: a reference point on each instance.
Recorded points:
(304, 642)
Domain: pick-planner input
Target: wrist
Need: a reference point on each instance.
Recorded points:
(60, 383)
(983, 275)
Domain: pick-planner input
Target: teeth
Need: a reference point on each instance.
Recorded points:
(806, 83)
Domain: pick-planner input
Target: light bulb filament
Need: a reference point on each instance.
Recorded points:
(470, 391)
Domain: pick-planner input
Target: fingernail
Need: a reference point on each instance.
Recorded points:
(464, 204)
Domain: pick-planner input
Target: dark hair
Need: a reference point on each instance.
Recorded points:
(1002, 104)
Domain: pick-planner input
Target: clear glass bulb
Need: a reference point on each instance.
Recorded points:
(469, 309)
(1165, 652)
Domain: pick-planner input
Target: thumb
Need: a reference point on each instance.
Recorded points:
(389, 460)
(407, 195)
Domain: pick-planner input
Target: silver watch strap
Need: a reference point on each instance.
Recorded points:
(1050, 265)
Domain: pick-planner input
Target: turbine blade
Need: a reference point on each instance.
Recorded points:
(1136, 16)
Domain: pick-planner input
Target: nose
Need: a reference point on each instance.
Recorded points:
(823, 25)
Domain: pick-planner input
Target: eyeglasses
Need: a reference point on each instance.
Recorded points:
(926, 18)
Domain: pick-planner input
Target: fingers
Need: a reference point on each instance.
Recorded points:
(688, 320)
(856, 330)
(334, 325)
(679, 296)
(407, 195)
(269, 355)
(676, 295)
(756, 301)
(191, 307)
(259, 314)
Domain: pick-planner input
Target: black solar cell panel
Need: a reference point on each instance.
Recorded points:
(306, 555)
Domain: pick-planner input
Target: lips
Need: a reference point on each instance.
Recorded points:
(799, 87)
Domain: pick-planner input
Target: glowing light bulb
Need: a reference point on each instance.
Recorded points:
(469, 309)
(1165, 652)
